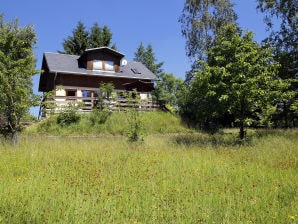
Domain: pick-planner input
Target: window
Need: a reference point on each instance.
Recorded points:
(70, 92)
(97, 65)
(86, 93)
(109, 65)
(103, 65)
(96, 94)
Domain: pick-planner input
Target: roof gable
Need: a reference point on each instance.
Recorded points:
(100, 51)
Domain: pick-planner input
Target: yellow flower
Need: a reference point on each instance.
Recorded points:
(291, 217)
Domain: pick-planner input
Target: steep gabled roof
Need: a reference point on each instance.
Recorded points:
(64, 63)
(101, 50)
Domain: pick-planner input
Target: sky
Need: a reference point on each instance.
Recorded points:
(131, 22)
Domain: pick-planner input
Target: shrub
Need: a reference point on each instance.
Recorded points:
(99, 116)
(134, 133)
(68, 116)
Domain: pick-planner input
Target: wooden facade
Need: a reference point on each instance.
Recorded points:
(95, 81)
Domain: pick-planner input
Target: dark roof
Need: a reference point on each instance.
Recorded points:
(101, 50)
(64, 63)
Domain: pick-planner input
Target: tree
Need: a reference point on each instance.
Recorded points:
(281, 20)
(168, 89)
(147, 57)
(17, 66)
(78, 42)
(238, 78)
(135, 125)
(140, 54)
(82, 39)
(99, 37)
(283, 12)
(201, 21)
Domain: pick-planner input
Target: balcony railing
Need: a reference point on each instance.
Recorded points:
(87, 104)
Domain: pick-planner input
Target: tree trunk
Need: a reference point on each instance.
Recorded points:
(14, 138)
(242, 131)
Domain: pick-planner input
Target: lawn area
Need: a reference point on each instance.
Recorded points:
(166, 179)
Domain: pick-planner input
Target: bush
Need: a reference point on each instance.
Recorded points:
(68, 116)
(134, 133)
(99, 116)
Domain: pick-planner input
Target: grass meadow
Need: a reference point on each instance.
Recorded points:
(116, 124)
(175, 178)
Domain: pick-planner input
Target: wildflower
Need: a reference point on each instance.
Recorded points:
(291, 217)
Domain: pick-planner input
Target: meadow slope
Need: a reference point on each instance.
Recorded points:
(182, 178)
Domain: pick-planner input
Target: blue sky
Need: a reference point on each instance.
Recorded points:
(152, 22)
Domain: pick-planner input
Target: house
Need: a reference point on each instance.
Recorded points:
(75, 79)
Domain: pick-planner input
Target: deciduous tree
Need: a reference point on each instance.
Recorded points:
(17, 66)
(168, 89)
(238, 78)
(281, 19)
(201, 21)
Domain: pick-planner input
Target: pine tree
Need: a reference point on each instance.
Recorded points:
(83, 39)
(147, 57)
(99, 37)
(140, 54)
(78, 42)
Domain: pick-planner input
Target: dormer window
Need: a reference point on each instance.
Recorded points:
(103, 65)
(97, 65)
(109, 65)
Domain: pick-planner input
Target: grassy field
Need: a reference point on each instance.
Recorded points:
(116, 124)
(166, 179)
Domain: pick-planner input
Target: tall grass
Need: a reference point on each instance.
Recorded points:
(108, 180)
(117, 124)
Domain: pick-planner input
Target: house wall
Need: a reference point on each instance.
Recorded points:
(61, 92)
(90, 81)
(145, 96)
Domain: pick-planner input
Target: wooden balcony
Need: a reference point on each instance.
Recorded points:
(87, 104)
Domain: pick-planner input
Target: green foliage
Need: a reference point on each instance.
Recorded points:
(78, 42)
(201, 21)
(239, 79)
(280, 17)
(99, 116)
(147, 57)
(168, 89)
(68, 115)
(82, 39)
(135, 126)
(17, 66)
(99, 37)
(134, 133)
(49, 102)
(284, 14)
(107, 89)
